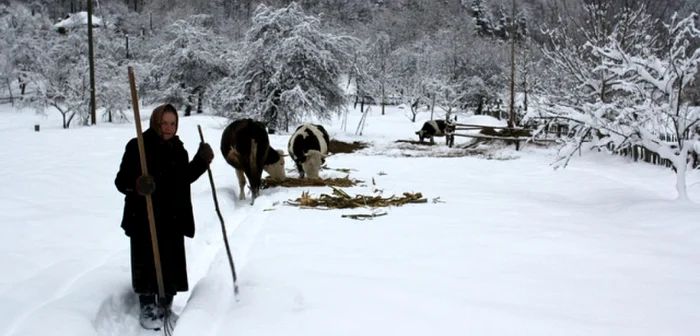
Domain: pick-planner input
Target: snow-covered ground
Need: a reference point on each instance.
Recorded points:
(514, 248)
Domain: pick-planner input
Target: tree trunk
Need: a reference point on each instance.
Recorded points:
(272, 114)
(681, 169)
(22, 86)
(414, 109)
(9, 88)
(525, 97)
(383, 99)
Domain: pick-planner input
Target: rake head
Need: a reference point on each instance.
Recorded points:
(169, 323)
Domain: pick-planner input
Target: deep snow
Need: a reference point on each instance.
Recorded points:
(514, 248)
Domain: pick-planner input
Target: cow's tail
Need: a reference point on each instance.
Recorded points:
(253, 155)
(254, 177)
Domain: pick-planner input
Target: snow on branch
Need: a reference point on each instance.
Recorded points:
(644, 105)
(289, 67)
(192, 60)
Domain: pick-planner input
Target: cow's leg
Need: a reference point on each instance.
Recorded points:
(432, 140)
(241, 183)
(300, 169)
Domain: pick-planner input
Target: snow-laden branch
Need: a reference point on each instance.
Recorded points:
(643, 106)
(289, 67)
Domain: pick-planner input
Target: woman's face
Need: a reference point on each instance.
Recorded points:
(168, 125)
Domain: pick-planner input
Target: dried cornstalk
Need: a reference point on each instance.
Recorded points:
(296, 182)
(339, 199)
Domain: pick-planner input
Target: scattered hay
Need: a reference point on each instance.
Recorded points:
(459, 153)
(297, 182)
(337, 146)
(478, 149)
(544, 144)
(341, 200)
(445, 153)
(414, 142)
(342, 170)
(364, 216)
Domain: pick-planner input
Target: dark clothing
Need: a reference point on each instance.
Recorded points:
(168, 163)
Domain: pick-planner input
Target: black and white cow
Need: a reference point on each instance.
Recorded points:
(245, 146)
(308, 147)
(432, 128)
(274, 164)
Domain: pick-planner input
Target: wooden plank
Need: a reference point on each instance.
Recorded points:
(485, 126)
(481, 136)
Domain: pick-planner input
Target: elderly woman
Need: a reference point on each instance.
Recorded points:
(170, 175)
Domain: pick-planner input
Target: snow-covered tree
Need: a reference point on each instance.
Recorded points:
(379, 55)
(647, 110)
(190, 62)
(361, 73)
(289, 67)
(493, 19)
(576, 79)
(482, 17)
(112, 92)
(531, 73)
(416, 75)
(61, 79)
(450, 53)
(569, 48)
(25, 36)
(482, 75)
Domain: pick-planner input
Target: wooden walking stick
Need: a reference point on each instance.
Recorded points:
(144, 171)
(221, 219)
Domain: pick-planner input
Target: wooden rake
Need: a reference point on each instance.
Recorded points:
(168, 322)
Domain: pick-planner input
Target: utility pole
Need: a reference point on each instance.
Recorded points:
(91, 59)
(511, 120)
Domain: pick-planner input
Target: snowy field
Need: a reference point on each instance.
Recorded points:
(515, 248)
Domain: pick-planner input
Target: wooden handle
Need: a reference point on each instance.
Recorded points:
(201, 136)
(223, 226)
(144, 171)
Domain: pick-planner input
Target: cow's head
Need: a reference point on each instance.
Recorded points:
(276, 170)
(421, 135)
(312, 164)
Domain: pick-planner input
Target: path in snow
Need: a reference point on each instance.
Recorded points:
(118, 314)
(206, 252)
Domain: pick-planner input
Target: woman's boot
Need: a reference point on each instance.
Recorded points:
(151, 315)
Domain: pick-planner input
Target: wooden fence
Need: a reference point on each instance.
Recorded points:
(639, 153)
(5, 100)
(556, 130)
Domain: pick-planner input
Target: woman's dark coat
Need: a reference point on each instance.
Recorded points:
(169, 164)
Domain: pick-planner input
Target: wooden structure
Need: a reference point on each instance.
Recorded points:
(514, 134)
